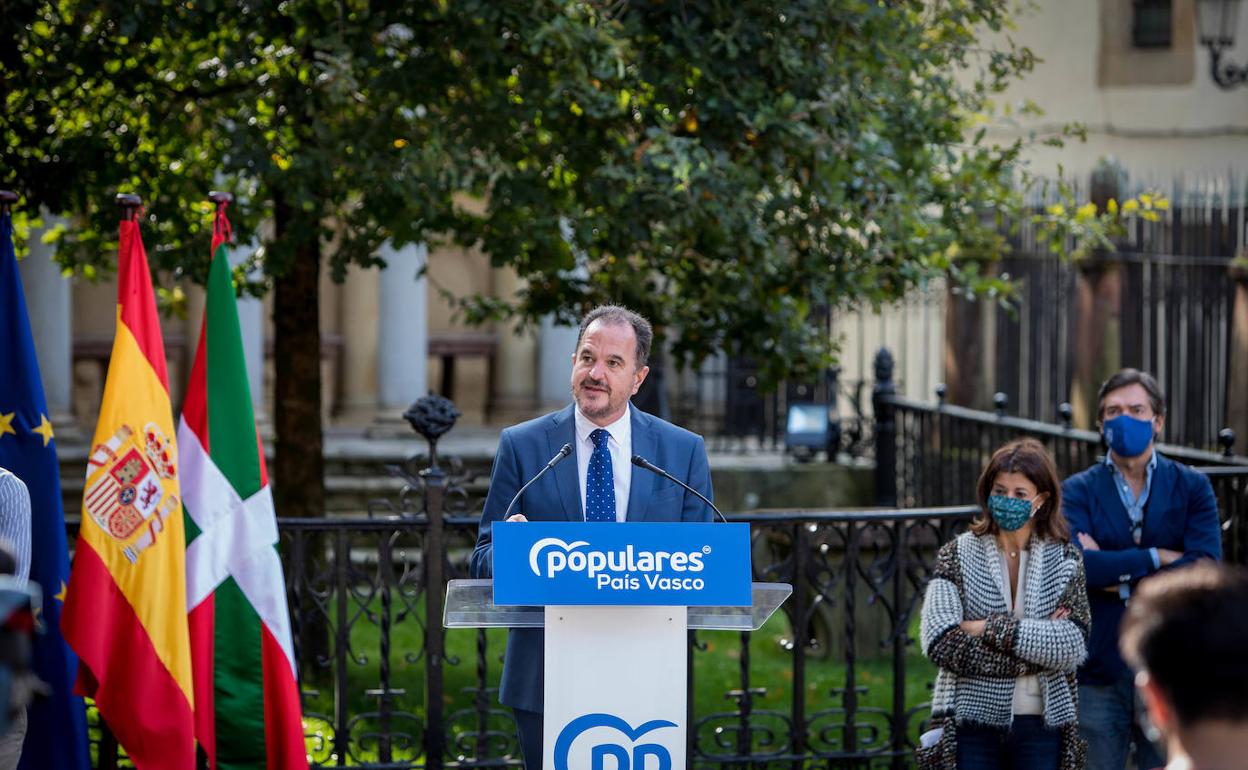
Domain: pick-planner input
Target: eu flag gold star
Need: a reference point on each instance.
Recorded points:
(60, 596)
(44, 429)
(6, 423)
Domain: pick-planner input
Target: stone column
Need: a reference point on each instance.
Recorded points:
(515, 372)
(1098, 311)
(970, 348)
(360, 314)
(403, 328)
(1097, 335)
(555, 346)
(51, 321)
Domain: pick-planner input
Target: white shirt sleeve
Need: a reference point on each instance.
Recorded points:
(15, 521)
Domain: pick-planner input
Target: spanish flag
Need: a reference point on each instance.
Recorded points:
(125, 608)
(248, 715)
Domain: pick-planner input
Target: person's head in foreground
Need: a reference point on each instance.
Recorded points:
(1185, 634)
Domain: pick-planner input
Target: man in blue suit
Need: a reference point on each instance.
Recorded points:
(1134, 514)
(608, 367)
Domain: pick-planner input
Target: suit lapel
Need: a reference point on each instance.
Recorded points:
(564, 432)
(1158, 497)
(1115, 519)
(642, 480)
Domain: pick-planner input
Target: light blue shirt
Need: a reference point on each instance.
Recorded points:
(1135, 506)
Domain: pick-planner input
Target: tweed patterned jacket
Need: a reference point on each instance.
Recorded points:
(975, 684)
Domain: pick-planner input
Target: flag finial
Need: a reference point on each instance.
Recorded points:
(221, 230)
(129, 204)
(7, 199)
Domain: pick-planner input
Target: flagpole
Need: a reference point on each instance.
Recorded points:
(129, 203)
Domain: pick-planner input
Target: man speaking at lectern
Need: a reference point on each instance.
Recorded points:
(605, 433)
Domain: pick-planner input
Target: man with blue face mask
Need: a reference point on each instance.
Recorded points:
(1133, 515)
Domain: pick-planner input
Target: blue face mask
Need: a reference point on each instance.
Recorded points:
(1010, 513)
(1128, 436)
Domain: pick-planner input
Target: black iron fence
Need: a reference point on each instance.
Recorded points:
(723, 401)
(932, 454)
(1169, 309)
(1174, 319)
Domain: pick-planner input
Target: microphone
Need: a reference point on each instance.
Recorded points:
(642, 462)
(563, 452)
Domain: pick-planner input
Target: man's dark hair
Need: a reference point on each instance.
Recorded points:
(1126, 377)
(1188, 629)
(615, 314)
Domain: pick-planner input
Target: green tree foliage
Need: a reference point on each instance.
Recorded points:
(732, 168)
(735, 168)
(728, 166)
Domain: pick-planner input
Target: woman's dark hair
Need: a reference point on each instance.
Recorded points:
(1028, 457)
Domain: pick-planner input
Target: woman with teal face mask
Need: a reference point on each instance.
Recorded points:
(1006, 620)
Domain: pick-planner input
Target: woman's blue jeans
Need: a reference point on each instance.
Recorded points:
(1026, 745)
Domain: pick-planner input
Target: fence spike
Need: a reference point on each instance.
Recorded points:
(1067, 413)
(1226, 438)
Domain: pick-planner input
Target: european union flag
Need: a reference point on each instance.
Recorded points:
(56, 738)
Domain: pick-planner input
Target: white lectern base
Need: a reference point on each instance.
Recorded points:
(615, 688)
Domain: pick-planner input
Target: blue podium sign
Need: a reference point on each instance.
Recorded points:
(592, 563)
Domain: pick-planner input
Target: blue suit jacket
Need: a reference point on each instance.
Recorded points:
(522, 451)
(1181, 514)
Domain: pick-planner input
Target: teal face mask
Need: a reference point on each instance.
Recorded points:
(1010, 513)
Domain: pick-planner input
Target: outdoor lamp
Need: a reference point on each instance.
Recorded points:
(806, 430)
(1217, 21)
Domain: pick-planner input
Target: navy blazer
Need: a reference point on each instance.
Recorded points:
(522, 451)
(1181, 514)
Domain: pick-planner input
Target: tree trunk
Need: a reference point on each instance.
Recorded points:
(299, 467)
(299, 459)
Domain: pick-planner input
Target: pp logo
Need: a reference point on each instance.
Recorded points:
(557, 559)
(641, 752)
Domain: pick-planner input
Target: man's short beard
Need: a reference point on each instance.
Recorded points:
(593, 413)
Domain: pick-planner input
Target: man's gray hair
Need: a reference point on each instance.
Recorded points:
(617, 314)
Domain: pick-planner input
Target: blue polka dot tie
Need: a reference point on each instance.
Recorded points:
(600, 481)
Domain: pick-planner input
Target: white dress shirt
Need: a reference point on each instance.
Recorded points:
(620, 445)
